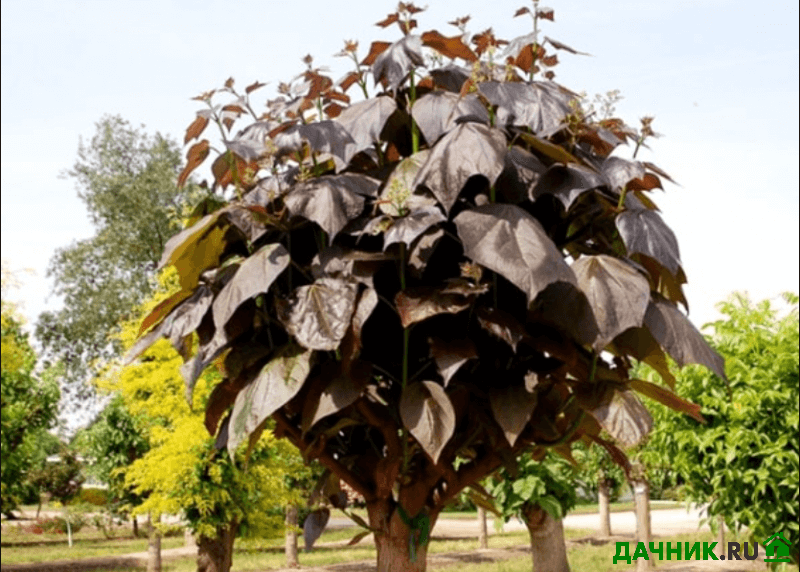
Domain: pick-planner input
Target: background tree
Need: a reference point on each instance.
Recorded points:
(61, 480)
(29, 402)
(419, 286)
(182, 472)
(126, 179)
(540, 493)
(600, 478)
(744, 461)
(112, 443)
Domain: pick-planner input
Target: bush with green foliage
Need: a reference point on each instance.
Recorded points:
(743, 461)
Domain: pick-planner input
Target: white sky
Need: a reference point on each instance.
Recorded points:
(721, 79)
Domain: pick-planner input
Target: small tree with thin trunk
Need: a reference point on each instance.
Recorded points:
(420, 285)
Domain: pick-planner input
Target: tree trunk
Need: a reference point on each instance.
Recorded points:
(291, 536)
(135, 527)
(483, 533)
(641, 498)
(720, 535)
(548, 548)
(153, 547)
(392, 539)
(603, 493)
(216, 554)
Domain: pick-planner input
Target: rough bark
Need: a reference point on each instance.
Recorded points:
(153, 547)
(641, 497)
(548, 547)
(483, 532)
(216, 554)
(603, 493)
(291, 536)
(392, 538)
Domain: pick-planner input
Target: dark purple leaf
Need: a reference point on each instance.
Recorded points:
(502, 325)
(351, 345)
(364, 120)
(428, 414)
(422, 302)
(679, 338)
(440, 112)
(331, 201)
(314, 525)
(254, 276)
(408, 228)
(617, 293)
(538, 105)
(268, 189)
(508, 240)
(512, 407)
(320, 313)
(398, 196)
(668, 398)
(567, 308)
(453, 47)
(245, 221)
(272, 388)
(450, 77)
(451, 355)
(566, 48)
(422, 250)
(619, 172)
(340, 392)
(520, 175)
(394, 63)
(469, 149)
(645, 232)
(624, 417)
(567, 183)
(640, 344)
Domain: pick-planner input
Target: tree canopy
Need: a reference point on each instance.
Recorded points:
(126, 179)
(418, 286)
(743, 461)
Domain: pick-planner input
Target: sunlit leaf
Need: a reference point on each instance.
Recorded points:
(406, 229)
(196, 128)
(679, 338)
(365, 120)
(440, 111)
(617, 293)
(469, 149)
(640, 344)
(645, 232)
(394, 63)
(538, 105)
(668, 398)
(559, 46)
(254, 276)
(508, 240)
(551, 150)
(375, 49)
(272, 388)
(331, 201)
(195, 156)
(428, 414)
(451, 48)
(512, 407)
(320, 313)
(619, 172)
(624, 417)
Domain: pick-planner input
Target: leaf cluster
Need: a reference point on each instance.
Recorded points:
(455, 268)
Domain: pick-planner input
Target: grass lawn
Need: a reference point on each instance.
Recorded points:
(580, 509)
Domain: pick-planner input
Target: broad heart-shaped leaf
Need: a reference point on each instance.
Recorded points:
(277, 382)
(326, 136)
(502, 325)
(539, 105)
(624, 417)
(179, 243)
(617, 293)
(397, 196)
(640, 344)
(451, 355)
(645, 232)
(679, 338)
(667, 397)
(567, 183)
(314, 525)
(331, 201)
(182, 320)
(450, 77)
(619, 172)
(364, 120)
(566, 307)
(320, 313)
(440, 111)
(452, 48)
(340, 392)
(428, 414)
(522, 171)
(406, 229)
(394, 63)
(508, 240)
(422, 302)
(469, 149)
(254, 276)
(512, 407)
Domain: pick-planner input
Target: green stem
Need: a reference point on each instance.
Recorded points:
(621, 202)
(414, 128)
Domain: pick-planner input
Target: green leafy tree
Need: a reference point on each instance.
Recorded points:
(61, 480)
(182, 472)
(126, 179)
(743, 462)
(29, 403)
(419, 286)
(540, 493)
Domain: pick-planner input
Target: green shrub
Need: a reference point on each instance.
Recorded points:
(96, 497)
(57, 524)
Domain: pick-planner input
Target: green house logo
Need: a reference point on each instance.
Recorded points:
(777, 548)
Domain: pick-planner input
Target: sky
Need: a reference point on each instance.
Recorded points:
(721, 79)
